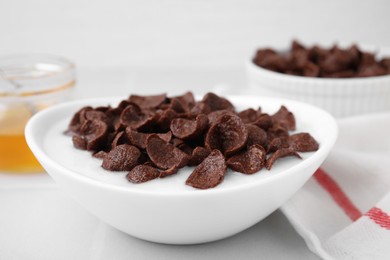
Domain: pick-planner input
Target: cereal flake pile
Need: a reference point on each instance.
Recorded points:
(154, 136)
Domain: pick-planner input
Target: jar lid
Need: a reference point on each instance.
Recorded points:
(34, 74)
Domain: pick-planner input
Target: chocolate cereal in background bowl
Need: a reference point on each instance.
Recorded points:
(181, 170)
(345, 80)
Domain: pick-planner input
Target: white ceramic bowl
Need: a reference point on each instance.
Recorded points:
(166, 210)
(341, 97)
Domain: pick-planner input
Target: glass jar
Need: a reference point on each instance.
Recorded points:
(28, 84)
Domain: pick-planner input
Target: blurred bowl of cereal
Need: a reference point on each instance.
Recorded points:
(345, 80)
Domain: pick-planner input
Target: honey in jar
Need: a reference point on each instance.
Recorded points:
(14, 152)
(28, 84)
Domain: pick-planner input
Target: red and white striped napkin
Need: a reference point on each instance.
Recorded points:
(343, 211)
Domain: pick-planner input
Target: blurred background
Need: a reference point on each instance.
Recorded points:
(123, 46)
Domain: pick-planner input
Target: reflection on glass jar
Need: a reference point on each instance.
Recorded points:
(28, 84)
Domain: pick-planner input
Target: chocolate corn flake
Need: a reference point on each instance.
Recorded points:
(164, 155)
(215, 102)
(385, 62)
(277, 131)
(79, 142)
(210, 103)
(277, 143)
(201, 108)
(176, 141)
(338, 60)
(138, 139)
(97, 115)
(148, 101)
(185, 148)
(177, 106)
(271, 60)
(372, 70)
(132, 116)
(100, 154)
(249, 115)
(280, 153)
(264, 121)
(249, 161)
(229, 135)
(262, 54)
(298, 59)
(215, 116)
(123, 157)
(120, 138)
(256, 135)
(209, 173)
(233, 134)
(303, 142)
(78, 119)
(168, 172)
(284, 117)
(94, 133)
(142, 173)
(187, 100)
(165, 119)
(155, 136)
(189, 129)
(311, 70)
(198, 155)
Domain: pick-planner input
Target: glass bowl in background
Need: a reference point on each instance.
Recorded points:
(28, 84)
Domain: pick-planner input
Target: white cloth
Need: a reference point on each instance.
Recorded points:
(343, 211)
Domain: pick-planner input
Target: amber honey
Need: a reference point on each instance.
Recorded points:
(15, 156)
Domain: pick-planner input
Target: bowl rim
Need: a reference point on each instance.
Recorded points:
(37, 119)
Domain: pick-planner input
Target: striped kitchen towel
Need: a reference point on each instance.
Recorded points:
(343, 211)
